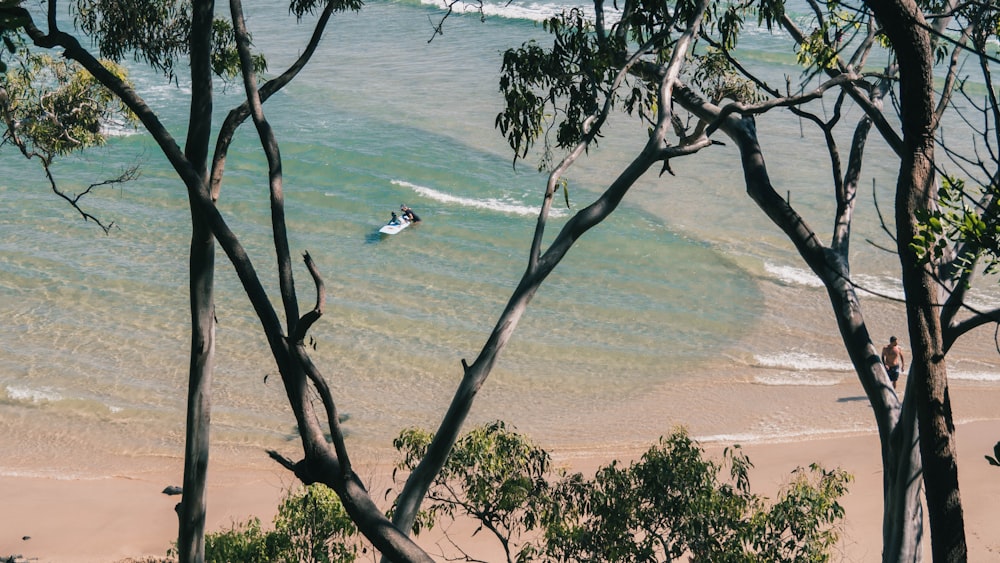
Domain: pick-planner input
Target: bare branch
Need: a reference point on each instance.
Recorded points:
(270, 146)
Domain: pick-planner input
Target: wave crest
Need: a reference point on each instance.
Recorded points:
(533, 11)
(491, 204)
(801, 361)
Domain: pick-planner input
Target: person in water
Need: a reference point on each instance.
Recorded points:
(408, 214)
(394, 220)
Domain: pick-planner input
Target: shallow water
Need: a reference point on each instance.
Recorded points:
(686, 307)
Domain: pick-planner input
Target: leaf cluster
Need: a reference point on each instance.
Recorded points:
(311, 526)
(955, 219)
(558, 89)
(53, 106)
(492, 474)
(716, 78)
(674, 502)
(155, 32)
(540, 84)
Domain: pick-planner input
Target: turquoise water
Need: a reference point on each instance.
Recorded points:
(686, 307)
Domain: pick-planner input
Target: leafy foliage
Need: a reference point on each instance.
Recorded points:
(559, 88)
(715, 76)
(568, 77)
(302, 7)
(152, 31)
(672, 502)
(243, 542)
(52, 106)
(315, 526)
(155, 32)
(669, 503)
(311, 526)
(794, 528)
(955, 219)
(493, 474)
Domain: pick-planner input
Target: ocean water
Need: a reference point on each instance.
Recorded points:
(687, 307)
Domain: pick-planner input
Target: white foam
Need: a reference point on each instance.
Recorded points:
(801, 361)
(987, 376)
(533, 11)
(781, 437)
(35, 396)
(877, 285)
(793, 276)
(491, 204)
(797, 379)
(882, 286)
(111, 129)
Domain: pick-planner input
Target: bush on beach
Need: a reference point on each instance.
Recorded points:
(311, 526)
(670, 503)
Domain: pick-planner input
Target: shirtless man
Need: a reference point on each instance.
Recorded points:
(892, 358)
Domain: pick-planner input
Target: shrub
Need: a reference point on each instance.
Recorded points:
(311, 526)
(670, 503)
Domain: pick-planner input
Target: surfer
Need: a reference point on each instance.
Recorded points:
(408, 214)
(892, 358)
(394, 220)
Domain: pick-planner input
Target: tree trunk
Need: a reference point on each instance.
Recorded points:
(908, 32)
(191, 512)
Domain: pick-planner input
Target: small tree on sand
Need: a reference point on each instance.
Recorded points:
(670, 503)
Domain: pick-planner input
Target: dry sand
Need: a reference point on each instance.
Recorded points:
(111, 519)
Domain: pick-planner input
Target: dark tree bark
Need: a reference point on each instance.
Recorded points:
(908, 32)
(191, 510)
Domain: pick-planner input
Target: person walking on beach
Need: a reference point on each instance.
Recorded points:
(892, 358)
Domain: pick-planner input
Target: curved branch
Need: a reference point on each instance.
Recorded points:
(859, 96)
(308, 319)
(239, 114)
(785, 101)
(270, 146)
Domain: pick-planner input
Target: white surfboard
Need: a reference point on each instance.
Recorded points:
(391, 229)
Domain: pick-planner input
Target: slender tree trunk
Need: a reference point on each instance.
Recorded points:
(191, 511)
(902, 466)
(908, 32)
(930, 380)
(193, 506)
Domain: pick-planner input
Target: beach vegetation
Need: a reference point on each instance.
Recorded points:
(311, 526)
(53, 107)
(671, 502)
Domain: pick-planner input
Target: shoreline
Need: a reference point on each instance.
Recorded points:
(117, 518)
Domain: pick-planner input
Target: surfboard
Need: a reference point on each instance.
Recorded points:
(391, 229)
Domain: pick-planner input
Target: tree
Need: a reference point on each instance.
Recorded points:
(492, 474)
(218, 46)
(670, 502)
(52, 108)
(715, 78)
(725, 97)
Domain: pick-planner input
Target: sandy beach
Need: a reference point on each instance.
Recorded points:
(117, 518)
